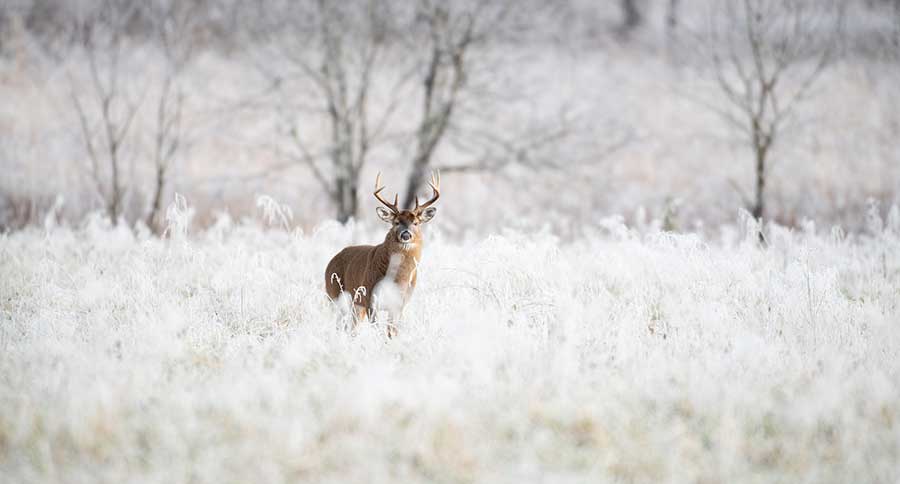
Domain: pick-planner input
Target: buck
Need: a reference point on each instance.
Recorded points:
(383, 275)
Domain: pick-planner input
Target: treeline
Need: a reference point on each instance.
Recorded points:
(352, 66)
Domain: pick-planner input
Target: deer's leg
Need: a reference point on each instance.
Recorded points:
(360, 315)
(393, 324)
(390, 320)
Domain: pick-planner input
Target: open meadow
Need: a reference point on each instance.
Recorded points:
(622, 356)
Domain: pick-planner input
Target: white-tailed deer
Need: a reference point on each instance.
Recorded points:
(383, 274)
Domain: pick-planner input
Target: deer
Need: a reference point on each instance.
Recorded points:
(383, 275)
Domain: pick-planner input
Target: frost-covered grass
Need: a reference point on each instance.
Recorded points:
(618, 357)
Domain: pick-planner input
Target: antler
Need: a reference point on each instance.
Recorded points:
(378, 189)
(435, 185)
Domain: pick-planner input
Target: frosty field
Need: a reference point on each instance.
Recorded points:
(616, 357)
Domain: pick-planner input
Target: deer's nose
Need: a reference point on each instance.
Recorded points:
(405, 236)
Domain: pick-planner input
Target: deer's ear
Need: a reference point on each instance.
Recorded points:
(385, 215)
(427, 215)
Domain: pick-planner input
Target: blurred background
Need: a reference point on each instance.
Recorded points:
(668, 113)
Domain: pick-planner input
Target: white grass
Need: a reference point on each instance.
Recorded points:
(618, 357)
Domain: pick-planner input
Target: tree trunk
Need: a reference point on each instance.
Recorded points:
(346, 199)
(156, 205)
(112, 205)
(672, 18)
(632, 15)
(430, 134)
(114, 209)
(759, 206)
(415, 180)
(896, 38)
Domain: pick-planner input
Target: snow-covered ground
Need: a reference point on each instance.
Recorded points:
(615, 357)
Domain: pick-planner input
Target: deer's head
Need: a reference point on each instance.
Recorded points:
(406, 224)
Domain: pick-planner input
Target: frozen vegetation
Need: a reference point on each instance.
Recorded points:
(619, 356)
(546, 341)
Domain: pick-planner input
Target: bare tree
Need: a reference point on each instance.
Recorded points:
(672, 8)
(172, 30)
(449, 36)
(766, 56)
(888, 55)
(106, 112)
(110, 105)
(332, 51)
(631, 16)
(354, 64)
(454, 81)
(896, 35)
